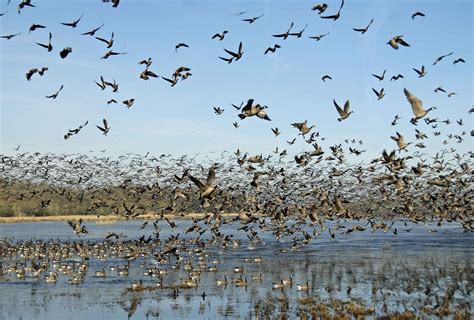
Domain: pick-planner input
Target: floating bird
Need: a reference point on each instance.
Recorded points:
(343, 113)
(397, 40)
(72, 24)
(55, 95)
(364, 30)
(106, 127)
(442, 57)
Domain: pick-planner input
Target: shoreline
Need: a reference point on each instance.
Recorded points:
(104, 219)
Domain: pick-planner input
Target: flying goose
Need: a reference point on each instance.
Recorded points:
(252, 20)
(111, 53)
(417, 14)
(326, 77)
(106, 127)
(319, 37)
(128, 103)
(442, 57)
(299, 34)
(65, 52)
(180, 45)
(335, 16)
(55, 95)
(234, 55)
(459, 60)
(400, 141)
(397, 40)
(343, 113)
(421, 73)
(35, 26)
(146, 74)
(395, 78)
(49, 46)
(207, 188)
(250, 110)
(380, 94)
(320, 7)
(276, 131)
(220, 36)
(416, 106)
(272, 49)
(109, 43)
(93, 31)
(303, 127)
(380, 78)
(364, 30)
(72, 24)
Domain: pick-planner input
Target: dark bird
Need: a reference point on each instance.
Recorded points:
(111, 101)
(380, 78)
(146, 62)
(421, 73)
(173, 81)
(395, 78)
(64, 52)
(252, 20)
(235, 55)
(272, 49)
(146, 74)
(102, 84)
(220, 36)
(380, 94)
(23, 4)
(93, 31)
(441, 58)
(326, 77)
(30, 73)
(72, 24)
(106, 127)
(115, 3)
(42, 71)
(36, 26)
(128, 103)
(207, 188)
(319, 7)
(319, 37)
(439, 89)
(218, 110)
(179, 45)
(417, 14)
(300, 33)
(364, 30)
(284, 35)
(397, 40)
(111, 53)
(459, 60)
(276, 131)
(49, 46)
(55, 95)
(10, 36)
(335, 16)
(109, 42)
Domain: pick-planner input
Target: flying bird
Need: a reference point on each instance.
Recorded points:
(106, 127)
(55, 95)
(35, 26)
(335, 16)
(395, 78)
(272, 49)
(180, 45)
(220, 36)
(326, 77)
(10, 36)
(284, 35)
(64, 52)
(421, 73)
(459, 60)
(319, 37)
(72, 24)
(380, 94)
(109, 42)
(320, 7)
(343, 113)
(93, 31)
(380, 78)
(111, 53)
(252, 20)
(364, 30)
(417, 14)
(49, 46)
(397, 40)
(442, 57)
(416, 106)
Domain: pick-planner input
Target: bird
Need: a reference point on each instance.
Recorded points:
(380, 94)
(421, 73)
(55, 95)
(109, 42)
(35, 26)
(300, 33)
(399, 139)
(284, 35)
(207, 188)
(218, 110)
(276, 131)
(128, 103)
(180, 45)
(65, 52)
(451, 94)
(439, 89)
(72, 24)
(30, 73)
(49, 46)
(77, 227)
(326, 77)
(106, 127)
(319, 37)
(111, 53)
(397, 40)
(303, 127)
(111, 101)
(337, 15)
(416, 106)
(319, 7)
(252, 20)
(442, 57)
(395, 78)
(344, 114)
(459, 60)
(220, 36)
(272, 49)
(173, 81)
(236, 55)
(146, 74)
(417, 14)
(93, 31)
(10, 36)
(364, 30)
(146, 62)
(250, 110)
(380, 78)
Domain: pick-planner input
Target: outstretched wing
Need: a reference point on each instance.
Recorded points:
(337, 107)
(197, 182)
(211, 176)
(416, 104)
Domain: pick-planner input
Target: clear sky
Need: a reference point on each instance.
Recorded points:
(180, 119)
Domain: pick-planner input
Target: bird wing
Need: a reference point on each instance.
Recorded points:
(211, 177)
(235, 55)
(416, 104)
(197, 182)
(338, 108)
(347, 105)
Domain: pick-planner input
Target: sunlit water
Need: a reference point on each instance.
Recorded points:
(407, 271)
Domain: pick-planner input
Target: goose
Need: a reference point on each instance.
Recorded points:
(106, 127)
(395, 78)
(128, 103)
(344, 114)
(109, 43)
(252, 20)
(146, 62)
(417, 14)
(240, 282)
(279, 285)
(72, 24)
(93, 31)
(364, 30)
(250, 110)
(459, 60)
(335, 16)
(416, 106)
(380, 94)
(220, 36)
(319, 7)
(65, 52)
(442, 57)
(272, 49)
(380, 78)
(421, 73)
(399, 139)
(180, 45)
(207, 188)
(397, 40)
(221, 282)
(100, 273)
(303, 127)
(30, 73)
(258, 277)
(326, 77)
(235, 55)
(319, 37)
(48, 46)
(55, 95)
(287, 280)
(276, 131)
(303, 287)
(300, 33)
(146, 74)
(111, 53)
(35, 26)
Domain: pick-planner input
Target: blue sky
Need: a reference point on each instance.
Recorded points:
(180, 119)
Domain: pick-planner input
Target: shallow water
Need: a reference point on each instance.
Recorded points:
(407, 271)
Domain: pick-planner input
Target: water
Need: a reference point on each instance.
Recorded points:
(412, 271)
